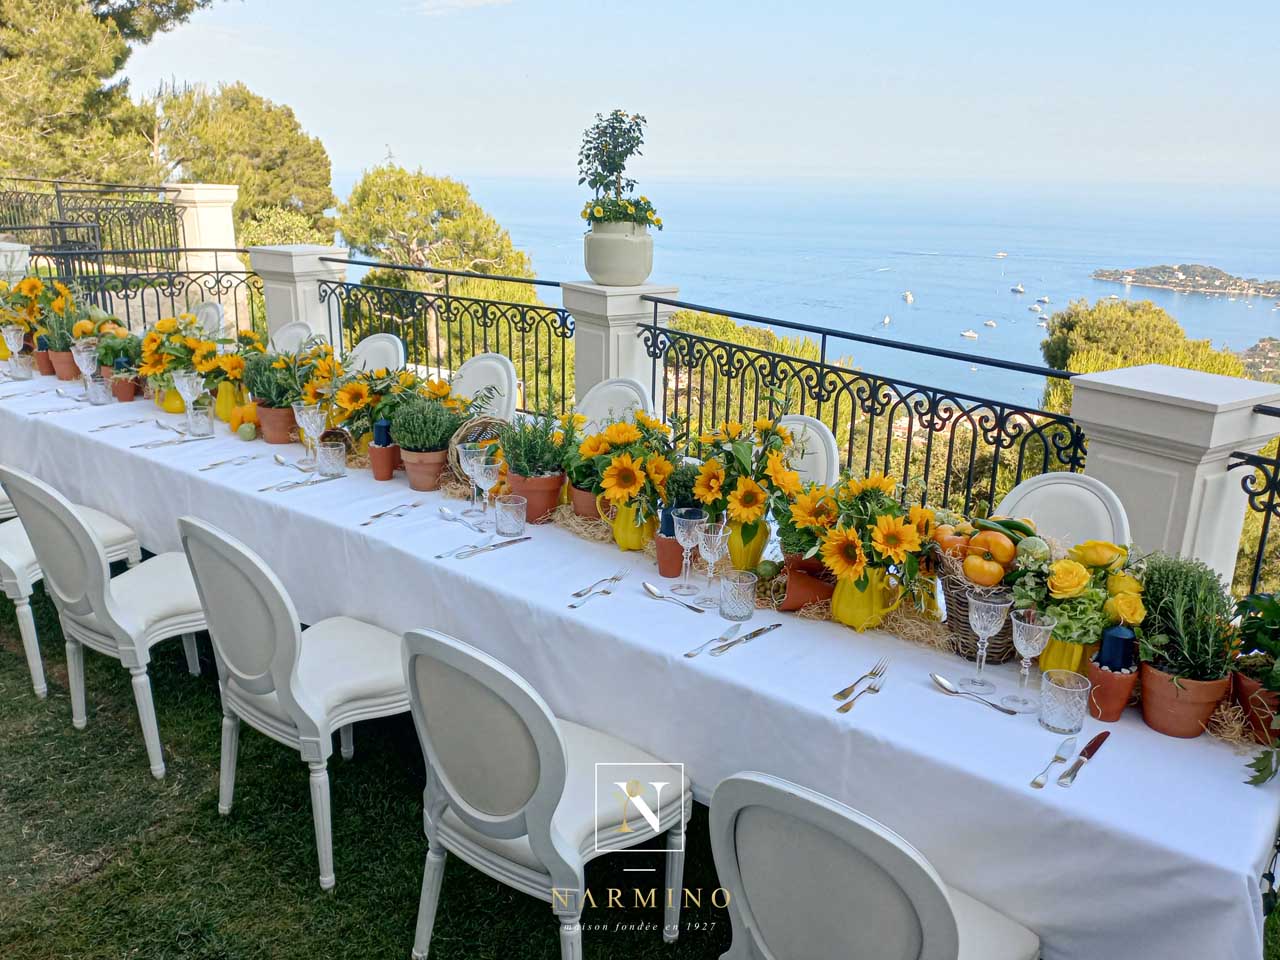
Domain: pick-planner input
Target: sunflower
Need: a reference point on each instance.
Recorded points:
(205, 358)
(154, 365)
(788, 481)
(195, 343)
(620, 434)
(708, 437)
(877, 481)
(232, 365)
(353, 396)
(659, 469)
(311, 392)
(622, 479)
(575, 420)
(327, 368)
(82, 328)
(167, 325)
(893, 537)
(439, 389)
(59, 306)
(652, 423)
(747, 502)
(709, 487)
(62, 289)
(762, 424)
(784, 433)
(732, 429)
(151, 342)
(31, 287)
(922, 518)
(843, 555)
(816, 507)
(593, 446)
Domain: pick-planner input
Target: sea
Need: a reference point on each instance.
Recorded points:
(842, 255)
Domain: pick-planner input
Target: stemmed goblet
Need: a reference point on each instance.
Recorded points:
(688, 523)
(13, 338)
(986, 617)
(487, 470)
(469, 454)
(1031, 632)
(713, 544)
(312, 419)
(189, 385)
(85, 354)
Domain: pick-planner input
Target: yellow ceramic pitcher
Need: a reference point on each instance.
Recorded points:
(1060, 655)
(627, 533)
(229, 397)
(746, 555)
(864, 609)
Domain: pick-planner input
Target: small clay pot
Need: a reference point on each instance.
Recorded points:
(424, 467)
(541, 493)
(123, 390)
(584, 503)
(812, 565)
(670, 555)
(276, 423)
(105, 372)
(44, 364)
(1182, 709)
(64, 365)
(1110, 692)
(804, 588)
(384, 460)
(1259, 706)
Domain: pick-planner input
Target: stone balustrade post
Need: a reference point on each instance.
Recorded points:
(207, 222)
(1161, 438)
(606, 332)
(14, 258)
(291, 275)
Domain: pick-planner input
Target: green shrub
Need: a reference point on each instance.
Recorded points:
(530, 445)
(425, 425)
(1188, 630)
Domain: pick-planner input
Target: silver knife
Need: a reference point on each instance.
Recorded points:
(493, 546)
(723, 638)
(1085, 756)
(726, 647)
(294, 485)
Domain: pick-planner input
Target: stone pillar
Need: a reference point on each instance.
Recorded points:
(606, 335)
(13, 260)
(291, 275)
(1161, 438)
(207, 221)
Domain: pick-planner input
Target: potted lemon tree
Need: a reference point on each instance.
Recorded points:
(617, 248)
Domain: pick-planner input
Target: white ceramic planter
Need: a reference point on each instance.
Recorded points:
(618, 254)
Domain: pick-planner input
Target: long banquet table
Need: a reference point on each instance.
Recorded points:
(1155, 852)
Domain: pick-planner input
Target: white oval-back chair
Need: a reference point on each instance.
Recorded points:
(211, 317)
(615, 399)
(290, 337)
(375, 352)
(486, 370)
(1069, 507)
(122, 617)
(514, 791)
(296, 686)
(820, 462)
(810, 879)
(20, 572)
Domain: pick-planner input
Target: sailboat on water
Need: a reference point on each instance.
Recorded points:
(1018, 289)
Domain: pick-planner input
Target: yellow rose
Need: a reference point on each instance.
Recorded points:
(1067, 579)
(1098, 553)
(1123, 583)
(1125, 608)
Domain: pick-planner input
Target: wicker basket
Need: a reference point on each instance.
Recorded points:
(1000, 648)
(473, 431)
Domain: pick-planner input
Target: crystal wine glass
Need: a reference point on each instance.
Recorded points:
(85, 354)
(13, 337)
(713, 544)
(311, 419)
(487, 471)
(688, 522)
(469, 454)
(986, 617)
(1031, 632)
(189, 385)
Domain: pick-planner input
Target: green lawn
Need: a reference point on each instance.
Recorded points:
(99, 860)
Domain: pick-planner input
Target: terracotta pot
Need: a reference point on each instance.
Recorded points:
(123, 390)
(276, 423)
(812, 565)
(542, 493)
(1110, 692)
(1179, 710)
(384, 460)
(1259, 706)
(803, 589)
(423, 467)
(44, 364)
(105, 372)
(64, 365)
(584, 503)
(670, 556)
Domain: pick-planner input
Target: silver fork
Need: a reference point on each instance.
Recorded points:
(603, 592)
(397, 511)
(120, 423)
(1065, 749)
(585, 590)
(873, 687)
(881, 666)
(234, 461)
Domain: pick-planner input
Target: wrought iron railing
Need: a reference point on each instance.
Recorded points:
(945, 448)
(449, 322)
(1261, 483)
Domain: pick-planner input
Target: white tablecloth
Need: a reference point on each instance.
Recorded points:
(1154, 853)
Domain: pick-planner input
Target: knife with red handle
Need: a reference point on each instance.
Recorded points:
(1086, 755)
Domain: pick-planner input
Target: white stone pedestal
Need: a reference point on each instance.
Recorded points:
(291, 275)
(13, 260)
(606, 335)
(207, 222)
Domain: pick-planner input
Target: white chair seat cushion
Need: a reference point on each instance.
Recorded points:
(986, 934)
(342, 661)
(18, 557)
(575, 817)
(154, 600)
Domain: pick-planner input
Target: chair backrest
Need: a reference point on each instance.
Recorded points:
(374, 352)
(615, 399)
(290, 337)
(210, 317)
(1069, 507)
(250, 617)
(489, 370)
(491, 744)
(820, 462)
(808, 878)
(72, 559)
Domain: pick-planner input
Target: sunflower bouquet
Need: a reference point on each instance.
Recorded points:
(27, 302)
(628, 463)
(173, 345)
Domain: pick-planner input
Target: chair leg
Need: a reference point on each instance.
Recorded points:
(675, 883)
(147, 717)
(30, 644)
(75, 680)
(432, 878)
(570, 938)
(227, 770)
(193, 655)
(347, 739)
(320, 813)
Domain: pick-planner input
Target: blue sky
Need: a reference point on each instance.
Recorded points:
(1010, 92)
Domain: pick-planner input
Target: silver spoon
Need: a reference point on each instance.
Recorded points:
(288, 463)
(947, 687)
(169, 426)
(1065, 749)
(67, 394)
(454, 518)
(657, 594)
